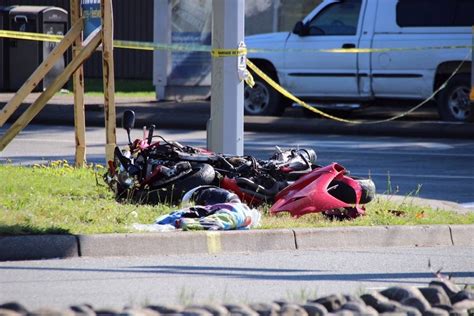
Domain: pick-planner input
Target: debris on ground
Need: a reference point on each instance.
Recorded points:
(160, 171)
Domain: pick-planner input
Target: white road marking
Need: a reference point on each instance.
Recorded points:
(468, 205)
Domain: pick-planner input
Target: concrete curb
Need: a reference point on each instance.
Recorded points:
(381, 236)
(175, 243)
(462, 235)
(38, 247)
(142, 244)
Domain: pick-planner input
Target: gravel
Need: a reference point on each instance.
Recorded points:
(442, 297)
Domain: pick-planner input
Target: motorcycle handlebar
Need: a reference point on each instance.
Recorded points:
(151, 130)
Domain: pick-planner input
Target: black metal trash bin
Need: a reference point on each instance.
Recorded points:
(25, 55)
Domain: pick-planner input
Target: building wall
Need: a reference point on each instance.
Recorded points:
(134, 21)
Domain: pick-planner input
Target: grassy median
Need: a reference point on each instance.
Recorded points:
(59, 198)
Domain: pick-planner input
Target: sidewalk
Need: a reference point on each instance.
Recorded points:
(194, 115)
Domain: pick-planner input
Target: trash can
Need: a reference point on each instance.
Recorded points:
(26, 55)
(3, 49)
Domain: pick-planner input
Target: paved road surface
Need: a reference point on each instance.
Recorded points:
(239, 278)
(444, 168)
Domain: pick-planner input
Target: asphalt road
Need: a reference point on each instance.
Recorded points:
(229, 278)
(435, 168)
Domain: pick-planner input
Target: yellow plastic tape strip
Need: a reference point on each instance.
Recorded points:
(228, 52)
(31, 36)
(249, 80)
(290, 96)
(287, 94)
(357, 50)
(218, 52)
(160, 46)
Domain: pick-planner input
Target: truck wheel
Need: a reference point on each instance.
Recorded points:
(454, 103)
(262, 99)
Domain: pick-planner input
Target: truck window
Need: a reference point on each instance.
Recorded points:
(435, 13)
(337, 19)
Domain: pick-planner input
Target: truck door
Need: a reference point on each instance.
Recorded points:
(335, 24)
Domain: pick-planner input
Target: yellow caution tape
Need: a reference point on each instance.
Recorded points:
(290, 96)
(161, 46)
(31, 36)
(357, 50)
(219, 52)
(249, 80)
(228, 52)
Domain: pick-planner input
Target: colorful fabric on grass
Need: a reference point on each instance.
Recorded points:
(223, 216)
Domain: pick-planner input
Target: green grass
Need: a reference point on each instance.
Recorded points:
(378, 212)
(61, 199)
(123, 88)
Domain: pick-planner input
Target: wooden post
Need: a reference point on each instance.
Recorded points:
(40, 72)
(108, 77)
(78, 88)
(55, 86)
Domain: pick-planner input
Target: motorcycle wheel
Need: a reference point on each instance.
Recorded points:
(346, 194)
(172, 193)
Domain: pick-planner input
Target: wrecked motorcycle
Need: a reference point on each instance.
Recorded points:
(259, 181)
(329, 190)
(155, 172)
(162, 171)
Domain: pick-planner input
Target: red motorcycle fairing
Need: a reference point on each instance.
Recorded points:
(311, 193)
(231, 185)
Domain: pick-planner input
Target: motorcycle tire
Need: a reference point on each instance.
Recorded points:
(172, 193)
(346, 194)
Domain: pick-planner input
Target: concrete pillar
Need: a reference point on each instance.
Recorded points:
(161, 34)
(226, 126)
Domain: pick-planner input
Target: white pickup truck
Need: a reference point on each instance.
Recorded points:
(352, 79)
